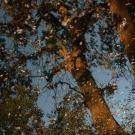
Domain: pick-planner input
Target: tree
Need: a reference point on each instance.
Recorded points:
(18, 112)
(125, 25)
(63, 39)
(69, 117)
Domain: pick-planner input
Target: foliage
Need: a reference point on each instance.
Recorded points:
(69, 117)
(19, 112)
(38, 39)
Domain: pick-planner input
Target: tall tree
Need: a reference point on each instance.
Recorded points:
(64, 38)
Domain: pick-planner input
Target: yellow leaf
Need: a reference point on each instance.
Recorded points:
(75, 52)
(70, 66)
(62, 10)
(63, 51)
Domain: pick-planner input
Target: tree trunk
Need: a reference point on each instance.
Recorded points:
(125, 27)
(101, 115)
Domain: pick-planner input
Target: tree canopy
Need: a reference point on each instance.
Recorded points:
(55, 47)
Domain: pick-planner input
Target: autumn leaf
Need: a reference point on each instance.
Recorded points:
(79, 64)
(50, 46)
(67, 19)
(69, 66)
(75, 52)
(63, 51)
(62, 10)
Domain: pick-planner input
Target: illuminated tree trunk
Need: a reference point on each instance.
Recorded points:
(101, 115)
(125, 27)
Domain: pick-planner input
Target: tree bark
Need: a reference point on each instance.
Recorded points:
(125, 27)
(101, 115)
